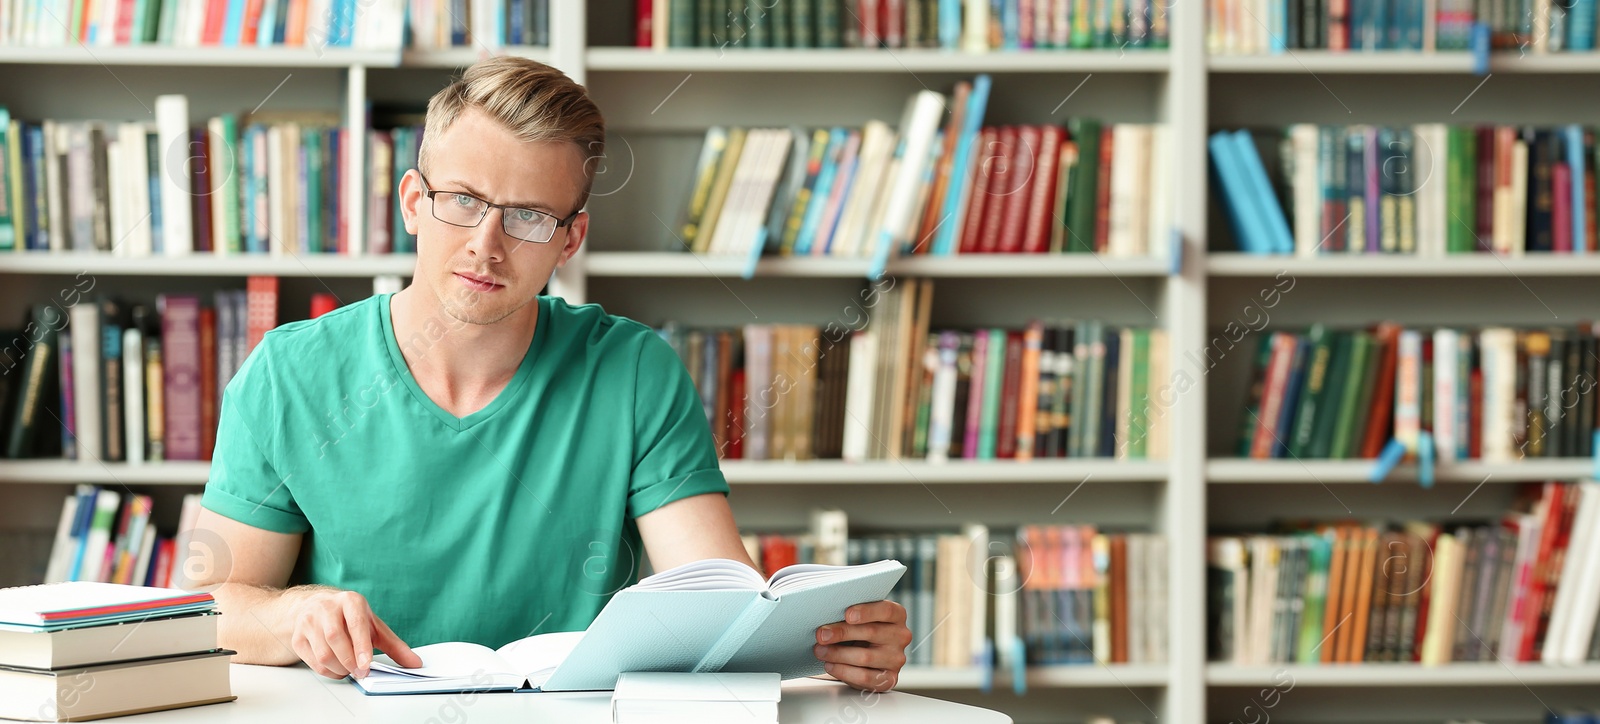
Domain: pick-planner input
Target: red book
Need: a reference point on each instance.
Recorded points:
(1561, 217)
(124, 29)
(643, 30)
(322, 303)
(1119, 599)
(1562, 517)
(1485, 181)
(1019, 189)
(735, 417)
(180, 351)
(1006, 444)
(261, 295)
(208, 382)
(216, 12)
(978, 194)
(1102, 201)
(200, 185)
(252, 22)
(1475, 414)
(1036, 233)
(1550, 515)
(1000, 167)
(1338, 30)
(933, 210)
(1275, 383)
(1381, 414)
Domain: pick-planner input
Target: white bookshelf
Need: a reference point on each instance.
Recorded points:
(661, 101)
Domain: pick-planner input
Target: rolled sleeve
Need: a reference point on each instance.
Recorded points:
(674, 455)
(246, 484)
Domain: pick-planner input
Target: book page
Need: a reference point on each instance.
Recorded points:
(451, 660)
(808, 575)
(711, 574)
(536, 656)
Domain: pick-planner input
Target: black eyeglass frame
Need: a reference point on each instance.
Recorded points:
(430, 192)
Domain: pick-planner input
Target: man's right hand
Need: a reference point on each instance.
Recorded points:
(335, 632)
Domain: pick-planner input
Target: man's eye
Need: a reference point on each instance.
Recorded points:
(526, 215)
(462, 200)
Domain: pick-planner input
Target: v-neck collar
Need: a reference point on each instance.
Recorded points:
(512, 388)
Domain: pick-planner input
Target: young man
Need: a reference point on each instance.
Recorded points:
(467, 460)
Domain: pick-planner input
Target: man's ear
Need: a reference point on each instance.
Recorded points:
(576, 233)
(410, 199)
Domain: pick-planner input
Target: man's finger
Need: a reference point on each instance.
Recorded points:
(391, 644)
(878, 633)
(322, 658)
(875, 611)
(358, 621)
(868, 679)
(338, 639)
(873, 657)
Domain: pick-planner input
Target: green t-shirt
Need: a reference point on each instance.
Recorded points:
(514, 520)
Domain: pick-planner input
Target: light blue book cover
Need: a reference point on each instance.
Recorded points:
(714, 615)
(1239, 201)
(820, 192)
(1280, 240)
(1574, 148)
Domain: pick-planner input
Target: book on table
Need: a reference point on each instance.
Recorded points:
(705, 616)
(670, 697)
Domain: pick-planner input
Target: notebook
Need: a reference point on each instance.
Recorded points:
(708, 615)
(58, 606)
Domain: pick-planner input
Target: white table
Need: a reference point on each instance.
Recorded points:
(295, 695)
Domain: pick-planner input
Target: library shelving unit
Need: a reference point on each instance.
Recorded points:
(659, 103)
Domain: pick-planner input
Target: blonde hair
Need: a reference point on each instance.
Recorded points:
(535, 101)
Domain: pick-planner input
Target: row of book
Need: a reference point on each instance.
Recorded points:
(1044, 595)
(1523, 588)
(112, 537)
(897, 389)
(944, 24)
(318, 24)
(1024, 189)
(1429, 189)
(1276, 26)
(112, 382)
(1496, 395)
(270, 185)
(85, 650)
(312, 24)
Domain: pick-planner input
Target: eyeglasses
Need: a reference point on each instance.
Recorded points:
(459, 209)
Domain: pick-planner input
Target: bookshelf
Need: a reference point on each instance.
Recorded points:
(659, 103)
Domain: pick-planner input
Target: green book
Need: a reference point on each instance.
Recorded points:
(1357, 397)
(1258, 381)
(1329, 407)
(827, 24)
(1139, 395)
(757, 23)
(919, 435)
(167, 28)
(1081, 12)
(8, 218)
(229, 190)
(1320, 549)
(994, 372)
(1461, 191)
(311, 185)
(1320, 343)
(778, 27)
(1079, 394)
(36, 366)
(681, 23)
(1080, 216)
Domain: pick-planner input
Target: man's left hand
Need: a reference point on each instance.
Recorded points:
(867, 648)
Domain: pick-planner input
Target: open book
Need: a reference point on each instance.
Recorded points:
(709, 615)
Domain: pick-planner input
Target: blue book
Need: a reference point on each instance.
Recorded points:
(1238, 200)
(850, 157)
(269, 22)
(1280, 239)
(1580, 25)
(713, 615)
(233, 23)
(956, 189)
(949, 24)
(38, 221)
(819, 193)
(1291, 396)
(1574, 147)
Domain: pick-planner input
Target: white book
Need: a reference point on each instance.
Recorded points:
(1577, 601)
(918, 125)
(1122, 237)
(877, 143)
(1408, 390)
(133, 394)
(56, 143)
(1160, 392)
(1007, 584)
(975, 27)
(1519, 197)
(762, 396)
(1303, 138)
(1136, 564)
(277, 191)
(1445, 366)
(172, 123)
(670, 697)
(942, 405)
(1158, 191)
(831, 529)
(1498, 356)
(116, 197)
(147, 546)
(1156, 599)
(977, 592)
(859, 395)
(62, 549)
(137, 156)
(85, 330)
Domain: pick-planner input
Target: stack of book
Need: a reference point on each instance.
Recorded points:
(113, 382)
(1054, 595)
(317, 24)
(1496, 394)
(946, 24)
(898, 389)
(76, 651)
(112, 537)
(925, 189)
(1524, 588)
(1276, 26)
(266, 183)
(1428, 189)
